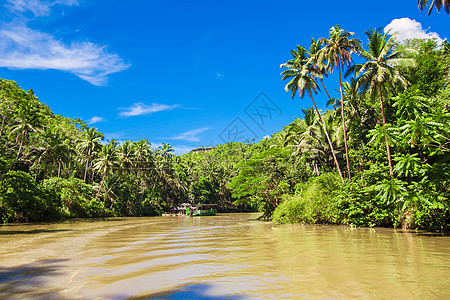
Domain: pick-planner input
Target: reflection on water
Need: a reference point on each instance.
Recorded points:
(229, 256)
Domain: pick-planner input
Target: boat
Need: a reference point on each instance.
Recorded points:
(201, 210)
(178, 211)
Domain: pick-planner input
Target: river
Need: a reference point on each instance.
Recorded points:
(229, 256)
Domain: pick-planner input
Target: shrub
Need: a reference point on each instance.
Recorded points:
(77, 197)
(314, 202)
(23, 200)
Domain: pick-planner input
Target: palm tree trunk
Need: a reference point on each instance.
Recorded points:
(343, 122)
(20, 148)
(3, 124)
(384, 123)
(68, 169)
(85, 169)
(328, 138)
(326, 91)
(43, 177)
(101, 185)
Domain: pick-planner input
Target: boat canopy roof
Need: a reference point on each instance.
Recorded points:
(201, 205)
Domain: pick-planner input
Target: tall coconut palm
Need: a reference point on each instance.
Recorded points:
(445, 4)
(301, 78)
(338, 50)
(378, 73)
(317, 60)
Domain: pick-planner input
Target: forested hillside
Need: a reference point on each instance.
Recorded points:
(379, 157)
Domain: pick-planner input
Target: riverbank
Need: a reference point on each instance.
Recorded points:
(324, 200)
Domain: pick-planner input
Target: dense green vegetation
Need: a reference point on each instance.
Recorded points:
(380, 157)
(399, 146)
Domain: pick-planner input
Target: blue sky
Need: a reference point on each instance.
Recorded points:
(188, 73)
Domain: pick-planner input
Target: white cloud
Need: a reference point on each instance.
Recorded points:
(94, 120)
(139, 108)
(37, 7)
(22, 47)
(406, 28)
(25, 48)
(190, 136)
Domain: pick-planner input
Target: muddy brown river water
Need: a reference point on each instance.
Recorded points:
(229, 256)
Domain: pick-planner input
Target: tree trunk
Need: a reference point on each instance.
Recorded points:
(68, 173)
(343, 122)
(328, 138)
(384, 123)
(85, 169)
(20, 148)
(101, 185)
(3, 124)
(43, 177)
(326, 91)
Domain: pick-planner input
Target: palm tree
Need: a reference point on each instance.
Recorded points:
(106, 161)
(142, 155)
(88, 145)
(337, 51)
(22, 130)
(317, 61)
(379, 72)
(26, 123)
(125, 155)
(49, 146)
(308, 137)
(300, 136)
(435, 3)
(164, 171)
(302, 78)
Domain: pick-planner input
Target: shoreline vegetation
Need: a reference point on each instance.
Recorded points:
(379, 157)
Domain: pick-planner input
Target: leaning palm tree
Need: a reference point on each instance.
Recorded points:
(379, 73)
(445, 4)
(337, 51)
(301, 78)
(316, 57)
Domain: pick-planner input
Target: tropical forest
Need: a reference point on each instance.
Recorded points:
(378, 156)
